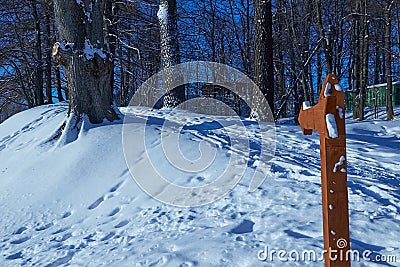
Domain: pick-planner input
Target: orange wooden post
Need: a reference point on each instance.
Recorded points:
(328, 118)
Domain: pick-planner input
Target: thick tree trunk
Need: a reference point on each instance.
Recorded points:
(263, 50)
(388, 61)
(167, 17)
(85, 55)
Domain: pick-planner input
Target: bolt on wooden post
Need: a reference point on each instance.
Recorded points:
(328, 119)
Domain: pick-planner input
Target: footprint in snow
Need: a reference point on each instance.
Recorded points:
(244, 227)
(96, 203)
(67, 214)
(62, 238)
(61, 230)
(20, 241)
(15, 256)
(115, 211)
(20, 230)
(44, 227)
(116, 187)
(121, 224)
(108, 236)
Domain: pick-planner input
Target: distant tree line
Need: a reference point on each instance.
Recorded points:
(357, 40)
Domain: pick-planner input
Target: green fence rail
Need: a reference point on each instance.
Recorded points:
(376, 96)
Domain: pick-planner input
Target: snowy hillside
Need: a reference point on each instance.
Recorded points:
(78, 204)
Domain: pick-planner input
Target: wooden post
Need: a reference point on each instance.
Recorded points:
(328, 118)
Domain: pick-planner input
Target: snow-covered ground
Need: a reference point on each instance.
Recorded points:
(78, 204)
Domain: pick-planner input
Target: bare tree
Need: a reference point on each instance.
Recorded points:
(326, 41)
(388, 59)
(83, 51)
(39, 96)
(167, 16)
(361, 55)
(263, 50)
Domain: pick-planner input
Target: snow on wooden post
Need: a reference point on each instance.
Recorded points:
(328, 118)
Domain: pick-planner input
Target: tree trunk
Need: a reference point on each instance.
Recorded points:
(111, 29)
(87, 59)
(39, 96)
(359, 47)
(319, 71)
(388, 61)
(364, 63)
(377, 67)
(356, 67)
(325, 41)
(263, 50)
(58, 85)
(49, 93)
(167, 17)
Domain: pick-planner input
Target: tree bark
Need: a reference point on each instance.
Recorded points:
(167, 17)
(86, 56)
(111, 29)
(319, 71)
(356, 65)
(360, 63)
(49, 93)
(364, 62)
(263, 50)
(39, 96)
(326, 44)
(58, 85)
(388, 61)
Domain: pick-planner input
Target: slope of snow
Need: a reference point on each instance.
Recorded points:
(78, 205)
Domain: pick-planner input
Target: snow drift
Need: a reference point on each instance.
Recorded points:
(78, 205)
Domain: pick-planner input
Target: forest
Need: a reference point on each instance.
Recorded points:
(286, 46)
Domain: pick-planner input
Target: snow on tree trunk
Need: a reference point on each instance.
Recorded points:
(85, 54)
(167, 17)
